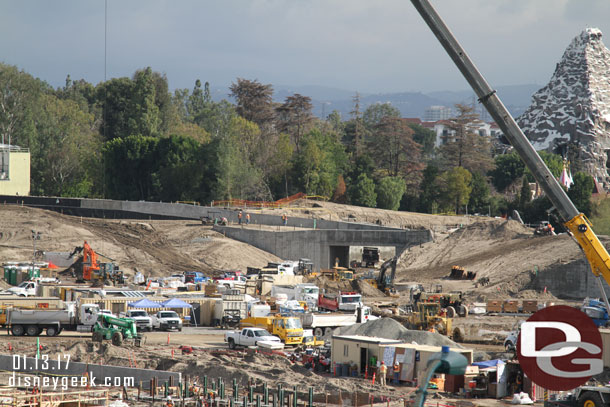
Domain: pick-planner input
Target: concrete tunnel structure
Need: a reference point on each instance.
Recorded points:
(323, 246)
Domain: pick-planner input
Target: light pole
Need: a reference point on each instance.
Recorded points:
(35, 236)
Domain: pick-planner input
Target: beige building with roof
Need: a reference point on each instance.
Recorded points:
(14, 170)
(363, 354)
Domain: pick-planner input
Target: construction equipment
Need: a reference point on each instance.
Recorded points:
(385, 282)
(288, 328)
(431, 317)
(544, 228)
(460, 273)
(115, 329)
(32, 322)
(89, 268)
(576, 222)
(338, 273)
(452, 302)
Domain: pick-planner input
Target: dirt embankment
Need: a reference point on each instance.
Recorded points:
(507, 253)
(155, 248)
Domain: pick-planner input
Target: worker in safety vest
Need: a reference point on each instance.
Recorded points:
(239, 215)
(396, 373)
(383, 370)
(247, 218)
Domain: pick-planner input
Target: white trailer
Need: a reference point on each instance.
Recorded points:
(322, 324)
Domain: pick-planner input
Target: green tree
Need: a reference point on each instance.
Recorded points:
(525, 194)
(389, 192)
(429, 191)
(394, 149)
(321, 160)
(508, 168)
(180, 171)
(362, 192)
(373, 114)
(455, 188)
(195, 104)
(480, 195)
(19, 94)
(67, 162)
(254, 101)
(129, 164)
(580, 192)
(294, 117)
(424, 137)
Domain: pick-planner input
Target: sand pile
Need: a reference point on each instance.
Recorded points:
(389, 328)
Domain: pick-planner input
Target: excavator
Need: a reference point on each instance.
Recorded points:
(384, 282)
(89, 268)
(577, 223)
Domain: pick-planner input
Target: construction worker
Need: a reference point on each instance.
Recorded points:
(396, 373)
(239, 215)
(285, 219)
(169, 402)
(383, 370)
(247, 218)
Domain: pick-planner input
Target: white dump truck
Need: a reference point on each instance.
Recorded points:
(308, 293)
(74, 317)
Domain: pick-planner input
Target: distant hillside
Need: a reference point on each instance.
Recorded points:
(411, 104)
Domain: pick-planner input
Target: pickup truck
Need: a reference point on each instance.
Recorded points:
(253, 337)
(166, 321)
(143, 321)
(25, 289)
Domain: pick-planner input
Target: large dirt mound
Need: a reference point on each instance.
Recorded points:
(155, 248)
(506, 252)
(389, 328)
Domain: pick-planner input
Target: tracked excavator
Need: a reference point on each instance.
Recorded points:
(88, 267)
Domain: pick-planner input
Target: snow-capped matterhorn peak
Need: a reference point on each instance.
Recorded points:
(574, 107)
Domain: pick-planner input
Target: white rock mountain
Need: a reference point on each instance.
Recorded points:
(574, 107)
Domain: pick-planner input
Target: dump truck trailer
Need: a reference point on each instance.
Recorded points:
(31, 322)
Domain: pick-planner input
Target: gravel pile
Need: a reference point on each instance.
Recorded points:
(389, 328)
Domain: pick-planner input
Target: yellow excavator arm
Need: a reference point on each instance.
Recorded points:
(594, 250)
(575, 221)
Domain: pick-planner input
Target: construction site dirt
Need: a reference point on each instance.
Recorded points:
(506, 252)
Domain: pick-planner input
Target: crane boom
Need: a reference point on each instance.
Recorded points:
(575, 221)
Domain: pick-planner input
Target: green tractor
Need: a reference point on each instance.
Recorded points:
(115, 329)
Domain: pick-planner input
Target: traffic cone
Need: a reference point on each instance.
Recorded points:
(168, 338)
(373, 382)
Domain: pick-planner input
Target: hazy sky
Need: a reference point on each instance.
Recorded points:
(357, 45)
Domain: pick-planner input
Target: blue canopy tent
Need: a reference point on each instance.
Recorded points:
(175, 303)
(144, 303)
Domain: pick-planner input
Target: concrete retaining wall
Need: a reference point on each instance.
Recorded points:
(573, 280)
(106, 208)
(316, 244)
